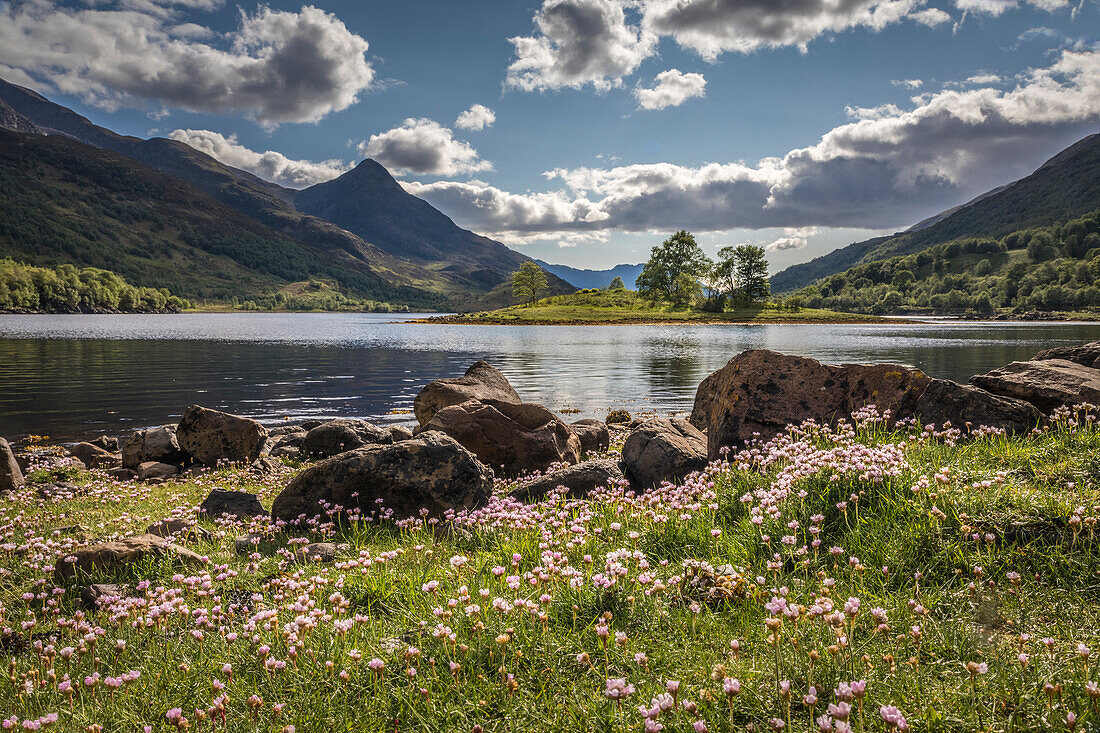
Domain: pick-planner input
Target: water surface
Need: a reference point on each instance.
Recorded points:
(74, 377)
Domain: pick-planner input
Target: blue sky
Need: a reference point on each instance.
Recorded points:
(801, 126)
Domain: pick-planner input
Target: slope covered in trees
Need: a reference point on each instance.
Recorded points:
(66, 289)
(1066, 186)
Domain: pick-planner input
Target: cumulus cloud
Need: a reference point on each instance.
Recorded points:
(710, 27)
(277, 66)
(478, 117)
(999, 7)
(579, 42)
(793, 238)
(423, 146)
(883, 170)
(269, 165)
(672, 88)
(931, 17)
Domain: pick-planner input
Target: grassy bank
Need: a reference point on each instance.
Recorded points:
(861, 575)
(626, 306)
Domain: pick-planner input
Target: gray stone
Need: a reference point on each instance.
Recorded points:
(594, 435)
(962, 404)
(119, 555)
(106, 443)
(239, 504)
(1048, 384)
(337, 436)
(580, 479)
(152, 444)
(1086, 354)
(432, 472)
(400, 432)
(11, 477)
(99, 594)
(58, 490)
(150, 470)
(184, 528)
(663, 450)
(210, 436)
(481, 382)
(92, 456)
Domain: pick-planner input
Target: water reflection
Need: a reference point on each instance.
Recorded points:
(77, 376)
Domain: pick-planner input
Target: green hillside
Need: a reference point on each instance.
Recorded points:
(64, 202)
(1066, 186)
(65, 289)
(1049, 268)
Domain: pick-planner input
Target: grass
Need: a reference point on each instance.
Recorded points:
(922, 564)
(626, 306)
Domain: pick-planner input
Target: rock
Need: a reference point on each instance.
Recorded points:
(281, 430)
(320, 552)
(285, 451)
(507, 436)
(51, 458)
(152, 444)
(400, 432)
(946, 401)
(247, 544)
(1085, 354)
(122, 474)
(431, 471)
(580, 479)
(239, 504)
(155, 470)
(92, 456)
(337, 436)
(663, 450)
(285, 443)
(210, 436)
(117, 555)
(106, 443)
(99, 594)
(593, 435)
(762, 391)
(1048, 384)
(481, 382)
(11, 477)
(265, 466)
(58, 490)
(181, 527)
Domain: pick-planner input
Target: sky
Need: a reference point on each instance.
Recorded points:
(584, 132)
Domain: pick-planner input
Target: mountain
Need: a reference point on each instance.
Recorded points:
(461, 268)
(65, 202)
(1066, 186)
(594, 278)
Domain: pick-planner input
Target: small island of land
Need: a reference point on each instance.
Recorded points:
(612, 307)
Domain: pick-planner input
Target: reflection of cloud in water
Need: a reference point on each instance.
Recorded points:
(73, 376)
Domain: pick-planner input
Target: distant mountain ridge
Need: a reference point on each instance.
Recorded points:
(594, 278)
(434, 259)
(1065, 186)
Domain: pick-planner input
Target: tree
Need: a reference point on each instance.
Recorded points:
(617, 284)
(748, 267)
(528, 281)
(686, 289)
(677, 255)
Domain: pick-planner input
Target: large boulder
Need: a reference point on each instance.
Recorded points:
(155, 471)
(945, 401)
(152, 444)
(1086, 354)
(663, 450)
(338, 436)
(761, 392)
(580, 479)
(93, 456)
(507, 436)
(432, 472)
(238, 504)
(119, 555)
(11, 476)
(594, 435)
(482, 382)
(1048, 383)
(210, 436)
(105, 442)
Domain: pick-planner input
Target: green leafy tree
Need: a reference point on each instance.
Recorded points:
(677, 255)
(617, 284)
(528, 281)
(686, 289)
(748, 272)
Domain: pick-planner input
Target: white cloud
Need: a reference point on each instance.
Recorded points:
(579, 42)
(710, 27)
(999, 7)
(478, 117)
(269, 165)
(908, 83)
(672, 88)
(277, 66)
(423, 146)
(793, 238)
(887, 169)
(931, 17)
